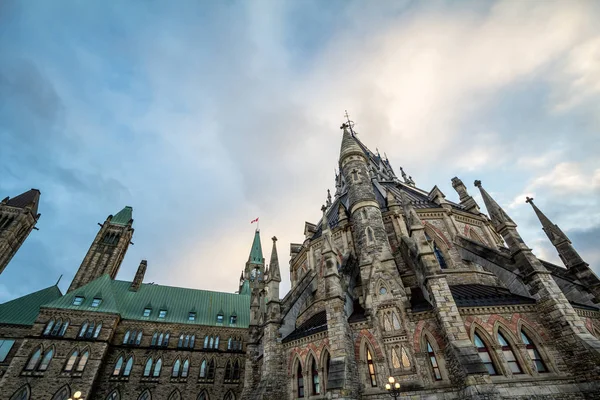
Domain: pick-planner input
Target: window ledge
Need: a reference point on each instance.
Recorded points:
(149, 379)
(205, 380)
(32, 373)
(178, 380)
(231, 381)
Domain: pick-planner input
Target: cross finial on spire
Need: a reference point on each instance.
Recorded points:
(348, 124)
(529, 200)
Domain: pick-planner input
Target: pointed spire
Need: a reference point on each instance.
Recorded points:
(328, 198)
(349, 144)
(123, 217)
(274, 273)
(29, 199)
(465, 199)
(498, 216)
(256, 255)
(554, 233)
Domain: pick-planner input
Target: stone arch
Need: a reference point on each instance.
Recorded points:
(63, 393)
(229, 395)
(23, 393)
(370, 235)
(366, 337)
(308, 364)
(381, 284)
(297, 369)
(438, 355)
(175, 395)
(472, 233)
(437, 235)
(114, 395)
(490, 345)
(145, 395)
(507, 334)
(325, 364)
(441, 245)
(83, 358)
(35, 357)
(203, 395)
(538, 341)
(72, 357)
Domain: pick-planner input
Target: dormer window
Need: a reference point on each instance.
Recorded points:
(78, 300)
(192, 316)
(96, 302)
(219, 318)
(233, 320)
(162, 313)
(147, 312)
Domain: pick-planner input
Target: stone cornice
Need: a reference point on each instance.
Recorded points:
(306, 339)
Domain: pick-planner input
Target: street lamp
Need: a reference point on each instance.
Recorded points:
(76, 396)
(393, 387)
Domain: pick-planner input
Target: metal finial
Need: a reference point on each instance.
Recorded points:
(529, 200)
(59, 278)
(348, 124)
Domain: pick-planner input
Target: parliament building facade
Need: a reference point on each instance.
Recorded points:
(392, 282)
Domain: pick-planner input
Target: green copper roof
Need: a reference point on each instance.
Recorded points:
(24, 310)
(245, 288)
(122, 217)
(256, 255)
(178, 302)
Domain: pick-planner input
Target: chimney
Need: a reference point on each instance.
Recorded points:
(139, 276)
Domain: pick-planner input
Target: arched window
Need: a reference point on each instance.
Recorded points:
(148, 367)
(90, 330)
(370, 235)
(186, 369)
(316, 386)
(22, 394)
(176, 367)
(64, 328)
(229, 344)
(216, 343)
(157, 368)
(206, 342)
(228, 371)
(300, 380)
(83, 329)
(126, 338)
(118, 366)
(175, 395)
(203, 395)
(34, 360)
(114, 395)
(71, 361)
(387, 324)
(371, 367)
(56, 328)
(97, 331)
(180, 341)
(62, 394)
(203, 369)
(49, 326)
(395, 321)
(193, 342)
(484, 354)
(433, 362)
(400, 358)
(46, 360)
(160, 339)
(211, 343)
(165, 341)
(229, 396)
(145, 395)
(154, 337)
(533, 353)
(138, 339)
(210, 374)
(83, 361)
(128, 366)
(437, 252)
(509, 355)
(326, 365)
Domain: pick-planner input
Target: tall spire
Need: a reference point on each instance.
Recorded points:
(558, 238)
(256, 255)
(498, 216)
(274, 273)
(349, 144)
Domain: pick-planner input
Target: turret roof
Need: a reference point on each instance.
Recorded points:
(123, 217)
(29, 198)
(256, 255)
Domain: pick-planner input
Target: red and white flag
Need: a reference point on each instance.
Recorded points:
(254, 220)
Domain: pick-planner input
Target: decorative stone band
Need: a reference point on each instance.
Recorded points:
(351, 156)
(361, 204)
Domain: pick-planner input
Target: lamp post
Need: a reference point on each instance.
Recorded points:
(76, 396)
(393, 387)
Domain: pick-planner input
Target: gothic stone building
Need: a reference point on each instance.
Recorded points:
(393, 281)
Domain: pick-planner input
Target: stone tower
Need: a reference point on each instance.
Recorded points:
(18, 217)
(107, 250)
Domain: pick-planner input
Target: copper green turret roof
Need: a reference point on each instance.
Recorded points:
(24, 310)
(122, 217)
(256, 255)
(177, 302)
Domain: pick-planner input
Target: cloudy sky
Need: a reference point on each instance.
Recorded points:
(205, 115)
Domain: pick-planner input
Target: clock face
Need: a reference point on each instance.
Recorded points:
(255, 274)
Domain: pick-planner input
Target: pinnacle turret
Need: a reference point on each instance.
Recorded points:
(554, 233)
(274, 273)
(498, 216)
